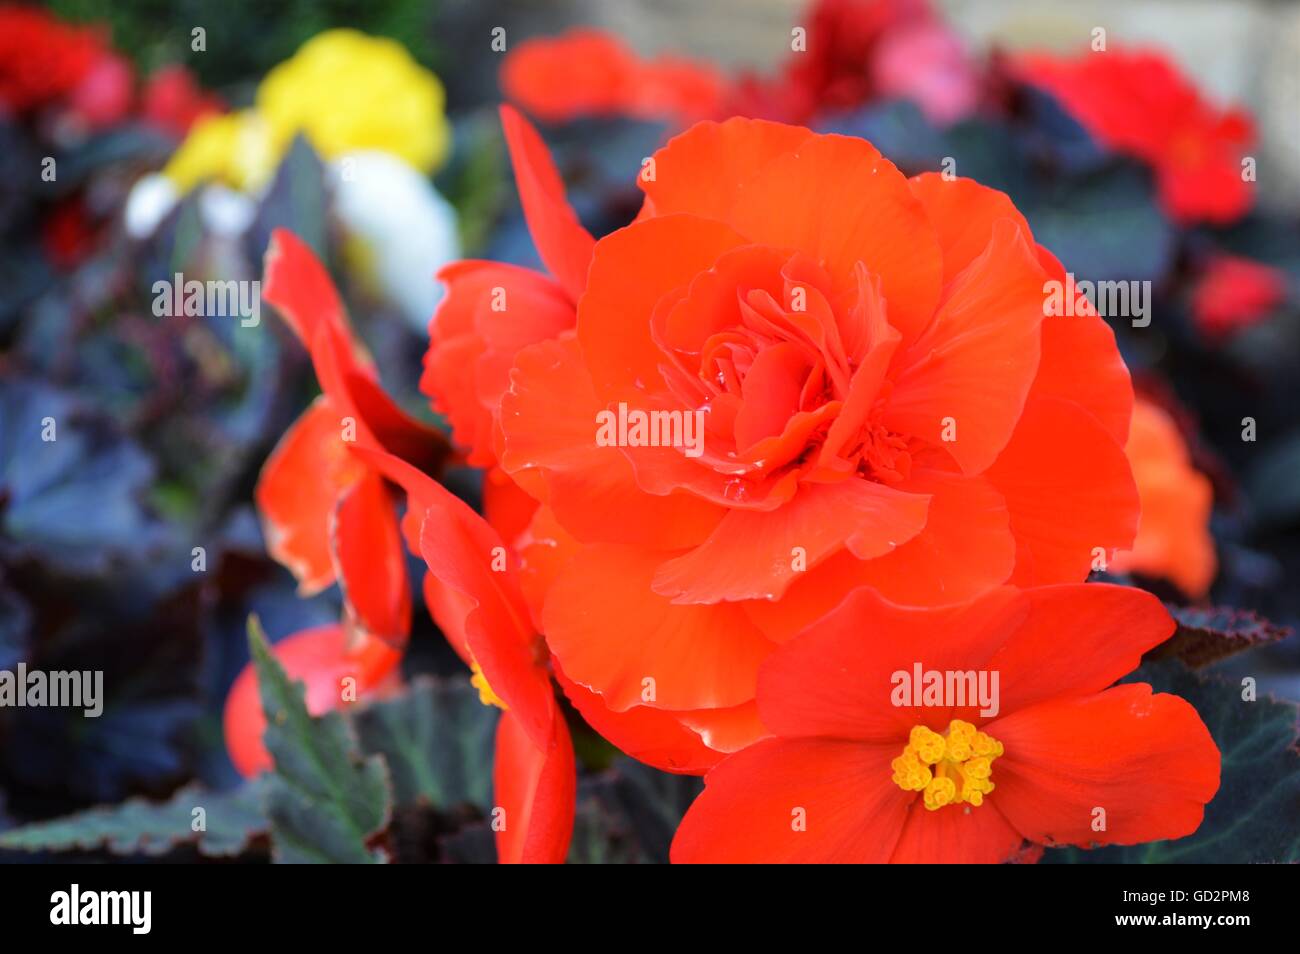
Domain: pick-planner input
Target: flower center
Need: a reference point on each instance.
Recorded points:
(949, 769)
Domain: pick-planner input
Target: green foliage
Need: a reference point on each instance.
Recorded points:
(629, 813)
(230, 822)
(248, 37)
(437, 740)
(326, 801)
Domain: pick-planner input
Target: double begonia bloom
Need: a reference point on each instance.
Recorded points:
(1138, 103)
(1173, 538)
(881, 399)
(858, 771)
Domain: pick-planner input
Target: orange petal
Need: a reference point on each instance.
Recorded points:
(536, 787)
(505, 505)
(1081, 363)
(297, 491)
(727, 730)
(837, 679)
(632, 269)
(370, 562)
(379, 422)
(563, 244)
(490, 311)
(966, 548)
(1146, 760)
(962, 213)
(614, 635)
(587, 72)
(1069, 491)
(952, 836)
(549, 424)
(755, 555)
(300, 288)
(783, 186)
(467, 556)
(796, 801)
(1173, 535)
(970, 370)
(654, 736)
(1074, 639)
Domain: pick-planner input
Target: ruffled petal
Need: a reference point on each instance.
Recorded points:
(549, 424)
(962, 384)
(755, 554)
(833, 197)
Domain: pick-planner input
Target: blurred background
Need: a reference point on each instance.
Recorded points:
(143, 139)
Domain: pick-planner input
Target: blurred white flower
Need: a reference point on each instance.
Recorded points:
(151, 198)
(401, 231)
(223, 211)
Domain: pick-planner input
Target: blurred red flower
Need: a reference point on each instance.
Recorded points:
(1138, 103)
(1234, 293)
(850, 52)
(173, 101)
(43, 59)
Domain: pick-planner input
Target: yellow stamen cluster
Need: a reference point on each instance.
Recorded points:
(948, 769)
(485, 693)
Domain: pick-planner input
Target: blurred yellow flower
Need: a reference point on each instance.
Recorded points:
(348, 91)
(345, 91)
(234, 149)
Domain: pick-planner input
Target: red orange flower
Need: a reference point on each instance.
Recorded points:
(474, 593)
(589, 73)
(856, 773)
(326, 515)
(884, 404)
(850, 52)
(1173, 538)
(1136, 102)
(1234, 293)
(491, 310)
(43, 59)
